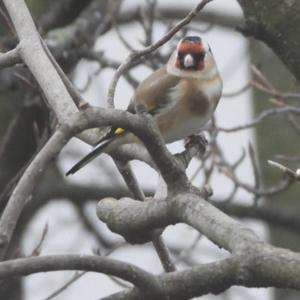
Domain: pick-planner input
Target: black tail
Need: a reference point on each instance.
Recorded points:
(85, 160)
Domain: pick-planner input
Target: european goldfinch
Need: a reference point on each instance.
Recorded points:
(181, 96)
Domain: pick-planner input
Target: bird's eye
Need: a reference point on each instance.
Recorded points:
(180, 55)
(199, 56)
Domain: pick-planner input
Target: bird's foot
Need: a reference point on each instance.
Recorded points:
(197, 141)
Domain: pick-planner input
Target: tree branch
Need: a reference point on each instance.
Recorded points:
(10, 58)
(142, 126)
(137, 54)
(24, 266)
(40, 65)
(277, 29)
(156, 238)
(254, 262)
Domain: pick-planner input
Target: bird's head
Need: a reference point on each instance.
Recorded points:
(191, 54)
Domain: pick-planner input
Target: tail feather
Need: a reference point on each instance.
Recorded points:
(110, 134)
(89, 157)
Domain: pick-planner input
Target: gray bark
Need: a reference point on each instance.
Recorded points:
(277, 23)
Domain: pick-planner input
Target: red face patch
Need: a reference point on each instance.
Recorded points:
(185, 47)
(197, 51)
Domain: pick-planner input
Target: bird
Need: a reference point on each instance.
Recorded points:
(182, 96)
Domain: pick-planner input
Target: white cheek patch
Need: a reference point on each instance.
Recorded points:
(178, 45)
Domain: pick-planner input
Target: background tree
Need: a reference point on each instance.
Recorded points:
(37, 101)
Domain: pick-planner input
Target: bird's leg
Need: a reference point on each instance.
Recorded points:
(199, 141)
(194, 145)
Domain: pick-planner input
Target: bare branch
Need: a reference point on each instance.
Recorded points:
(76, 277)
(293, 174)
(40, 65)
(10, 58)
(38, 248)
(30, 43)
(142, 126)
(135, 55)
(255, 262)
(262, 116)
(24, 266)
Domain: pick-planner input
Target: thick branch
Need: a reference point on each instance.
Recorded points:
(286, 218)
(24, 266)
(142, 126)
(156, 238)
(128, 217)
(39, 63)
(253, 264)
(34, 56)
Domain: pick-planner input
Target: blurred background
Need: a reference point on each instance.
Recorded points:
(90, 39)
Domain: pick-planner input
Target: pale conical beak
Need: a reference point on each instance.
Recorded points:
(188, 61)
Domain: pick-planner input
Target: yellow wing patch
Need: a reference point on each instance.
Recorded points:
(119, 131)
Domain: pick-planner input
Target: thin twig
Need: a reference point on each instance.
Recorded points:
(292, 174)
(187, 252)
(37, 250)
(263, 115)
(76, 96)
(135, 55)
(8, 22)
(89, 226)
(238, 92)
(255, 170)
(265, 86)
(157, 241)
(75, 277)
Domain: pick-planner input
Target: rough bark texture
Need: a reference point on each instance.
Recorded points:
(277, 23)
(23, 116)
(253, 263)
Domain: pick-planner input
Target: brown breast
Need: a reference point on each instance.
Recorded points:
(193, 100)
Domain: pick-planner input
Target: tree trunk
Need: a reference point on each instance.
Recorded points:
(274, 137)
(277, 23)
